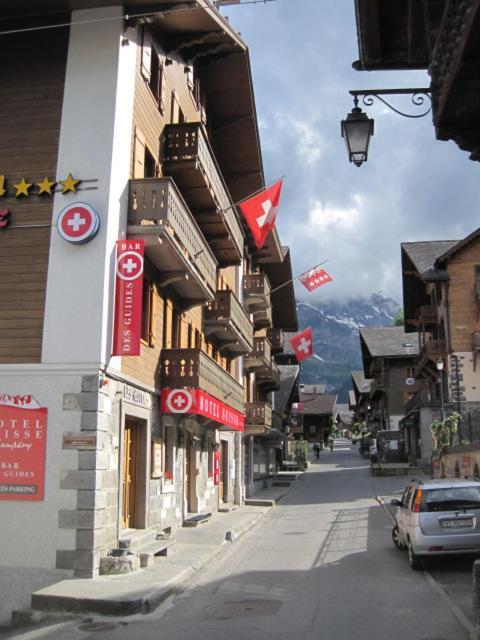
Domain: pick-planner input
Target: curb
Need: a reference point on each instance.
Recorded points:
(148, 603)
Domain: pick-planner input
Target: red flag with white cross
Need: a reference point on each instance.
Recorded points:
(302, 344)
(315, 278)
(260, 212)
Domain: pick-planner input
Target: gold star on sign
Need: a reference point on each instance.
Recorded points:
(70, 184)
(45, 186)
(22, 188)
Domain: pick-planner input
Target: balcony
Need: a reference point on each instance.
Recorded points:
(193, 368)
(174, 243)
(427, 315)
(268, 378)
(226, 320)
(258, 418)
(256, 292)
(432, 351)
(271, 251)
(262, 319)
(259, 357)
(275, 337)
(190, 159)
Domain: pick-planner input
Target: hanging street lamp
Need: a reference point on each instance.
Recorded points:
(357, 128)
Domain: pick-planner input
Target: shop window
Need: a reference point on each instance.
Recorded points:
(148, 313)
(169, 467)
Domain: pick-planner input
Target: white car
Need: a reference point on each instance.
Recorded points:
(437, 517)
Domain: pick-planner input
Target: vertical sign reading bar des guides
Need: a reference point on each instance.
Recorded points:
(128, 298)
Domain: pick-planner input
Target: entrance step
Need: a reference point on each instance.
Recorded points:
(195, 520)
(226, 508)
(135, 539)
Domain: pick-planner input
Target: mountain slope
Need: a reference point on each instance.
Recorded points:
(335, 337)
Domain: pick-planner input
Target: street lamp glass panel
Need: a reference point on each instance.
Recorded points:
(357, 130)
(439, 365)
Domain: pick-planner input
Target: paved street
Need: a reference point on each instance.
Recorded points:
(320, 565)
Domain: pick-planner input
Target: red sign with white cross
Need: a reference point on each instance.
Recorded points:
(201, 403)
(78, 223)
(128, 298)
(302, 344)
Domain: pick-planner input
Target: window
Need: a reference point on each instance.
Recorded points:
(153, 71)
(151, 165)
(176, 114)
(477, 280)
(410, 372)
(148, 313)
(145, 164)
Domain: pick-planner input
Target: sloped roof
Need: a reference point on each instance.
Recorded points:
(389, 342)
(363, 384)
(313, 388)
(288, 376)
(345, 414)
(425, 254)
(449, 253)
(318, 404)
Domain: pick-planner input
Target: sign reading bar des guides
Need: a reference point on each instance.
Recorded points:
(128, 298)
(23, 433)
(200, 403)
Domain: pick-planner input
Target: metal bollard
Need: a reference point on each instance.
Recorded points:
(476, 597)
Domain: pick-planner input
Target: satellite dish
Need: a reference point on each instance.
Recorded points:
(410, 381)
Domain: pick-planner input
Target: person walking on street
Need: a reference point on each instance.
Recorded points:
(316, 450)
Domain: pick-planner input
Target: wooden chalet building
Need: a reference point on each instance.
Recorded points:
(389, 356)
(361, 398)
(147, 127)
(441, 36)
(319, 410)
(441, 293)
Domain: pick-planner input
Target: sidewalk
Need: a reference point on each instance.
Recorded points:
(144, 590)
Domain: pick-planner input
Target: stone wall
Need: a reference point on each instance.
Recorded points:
(462, 461)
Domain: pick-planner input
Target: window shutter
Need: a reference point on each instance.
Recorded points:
(146, 64)
(162, 88)
(139, 155)
(152, 334)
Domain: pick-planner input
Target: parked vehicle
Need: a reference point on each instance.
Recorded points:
(437, 517)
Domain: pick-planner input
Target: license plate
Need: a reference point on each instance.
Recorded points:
(465, 522)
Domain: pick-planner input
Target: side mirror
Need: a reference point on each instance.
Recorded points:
(395, 503)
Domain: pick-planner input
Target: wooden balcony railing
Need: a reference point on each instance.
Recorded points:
(259, 357)
(258, 416)
(268, 377)
(173, 240)
(193, 368)
(190, 158)
(226, 319)
(432, 350)
(271, 250)
(275, 337)
(427, 315)
(262, 319)
(256, 292)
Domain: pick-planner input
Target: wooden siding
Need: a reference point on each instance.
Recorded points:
(31, 96)
(149, 122)
(464, 306)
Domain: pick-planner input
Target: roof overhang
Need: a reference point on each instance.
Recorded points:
(284, 310)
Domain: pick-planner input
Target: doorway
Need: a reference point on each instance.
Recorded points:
(131, 438)
(190, 475)
(223, 482)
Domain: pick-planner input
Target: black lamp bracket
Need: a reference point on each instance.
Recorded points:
(418, 98)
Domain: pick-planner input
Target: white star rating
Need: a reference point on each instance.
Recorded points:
(76, 222)
(304, 345)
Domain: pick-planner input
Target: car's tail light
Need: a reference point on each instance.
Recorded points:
(435, 548)
(417, 501)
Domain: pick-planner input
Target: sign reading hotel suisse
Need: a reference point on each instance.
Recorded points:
(200, 403)
(78, 223)
(128, 298)
(23, 430)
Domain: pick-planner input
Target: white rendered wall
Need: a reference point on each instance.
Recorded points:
(95, 143)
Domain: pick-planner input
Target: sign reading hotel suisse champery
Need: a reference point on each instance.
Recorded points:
(128, 298)
(23, 430)
(200, 403)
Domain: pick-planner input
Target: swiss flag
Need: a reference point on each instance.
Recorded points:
(315, 278)
(302, 344)
(260, 212)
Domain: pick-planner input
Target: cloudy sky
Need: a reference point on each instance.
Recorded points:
(413, 187)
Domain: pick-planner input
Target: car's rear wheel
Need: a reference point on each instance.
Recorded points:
(416, 562)
(397, 540)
